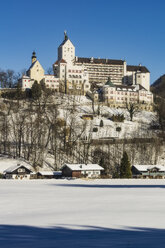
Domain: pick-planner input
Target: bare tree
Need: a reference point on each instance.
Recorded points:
(132, 108)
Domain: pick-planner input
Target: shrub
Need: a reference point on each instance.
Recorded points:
(95, 129)
(118, 129)
(118, 118)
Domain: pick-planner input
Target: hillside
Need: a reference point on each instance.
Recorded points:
(158, 87)
(58, 128)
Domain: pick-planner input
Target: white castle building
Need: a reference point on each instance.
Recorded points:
(96, 71)
(76, 75)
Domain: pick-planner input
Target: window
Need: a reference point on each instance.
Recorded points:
(21, 170)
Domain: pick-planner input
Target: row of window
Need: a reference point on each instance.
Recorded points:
(76, 71)
(51, 81)
(53, 86)
(75, 76)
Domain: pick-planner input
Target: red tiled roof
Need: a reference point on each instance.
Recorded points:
(56, 63)
(62, 61)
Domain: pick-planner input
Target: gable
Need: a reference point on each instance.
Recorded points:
(21, 169)
(66, 43)
(37, 65)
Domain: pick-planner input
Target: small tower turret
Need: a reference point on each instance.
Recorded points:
(34, 58)
(65, 35)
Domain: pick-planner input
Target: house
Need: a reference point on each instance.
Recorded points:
(17, 172)
(81, 170)
(148, 171)
(87, 117)
(49, 174)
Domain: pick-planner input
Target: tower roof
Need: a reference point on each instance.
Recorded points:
(65, 39)
(34, 55)
(109, 83)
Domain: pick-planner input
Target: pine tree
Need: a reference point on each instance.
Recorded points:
(36, 90)
(125, 167)
(101, 123)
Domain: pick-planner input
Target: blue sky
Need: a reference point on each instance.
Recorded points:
(130, 30)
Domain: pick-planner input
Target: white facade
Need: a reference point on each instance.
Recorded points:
(122, 94)
(26, 82)
(138, 75)
(51, 82)
(66, 51)
(73, 77)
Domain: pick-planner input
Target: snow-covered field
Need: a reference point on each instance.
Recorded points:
(82, 213)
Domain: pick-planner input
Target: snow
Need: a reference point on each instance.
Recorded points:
(50, 173)
(82, 213)
(149, 167)
(6, 163)
(12, 168)
(82, 167)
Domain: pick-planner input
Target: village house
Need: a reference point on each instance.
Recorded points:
(148, 171)
(81, 170)
(17, 172)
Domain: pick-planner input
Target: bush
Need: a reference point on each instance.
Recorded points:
(1, 176)
(118, 118)
(95, 129)
(118, 129)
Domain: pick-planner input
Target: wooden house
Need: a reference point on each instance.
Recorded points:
(17, 172)
(148, 171)
(81, 170)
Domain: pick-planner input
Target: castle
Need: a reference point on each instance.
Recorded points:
(77, 75)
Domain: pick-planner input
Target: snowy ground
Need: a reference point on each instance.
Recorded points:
(80, 213)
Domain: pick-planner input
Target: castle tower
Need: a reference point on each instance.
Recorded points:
(66, 50)
(34, 58)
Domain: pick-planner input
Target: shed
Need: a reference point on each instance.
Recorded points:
(49, 174)
(81, 170)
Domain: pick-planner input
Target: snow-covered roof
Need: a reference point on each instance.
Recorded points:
(50, 173)
(149, 167)
(15, 167)
(6, 162)
(82, 167)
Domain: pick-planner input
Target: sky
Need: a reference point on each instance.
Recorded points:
(122, 29)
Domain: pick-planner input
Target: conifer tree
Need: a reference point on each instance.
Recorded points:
(101, 123)
(125, 167)
(36, 90)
